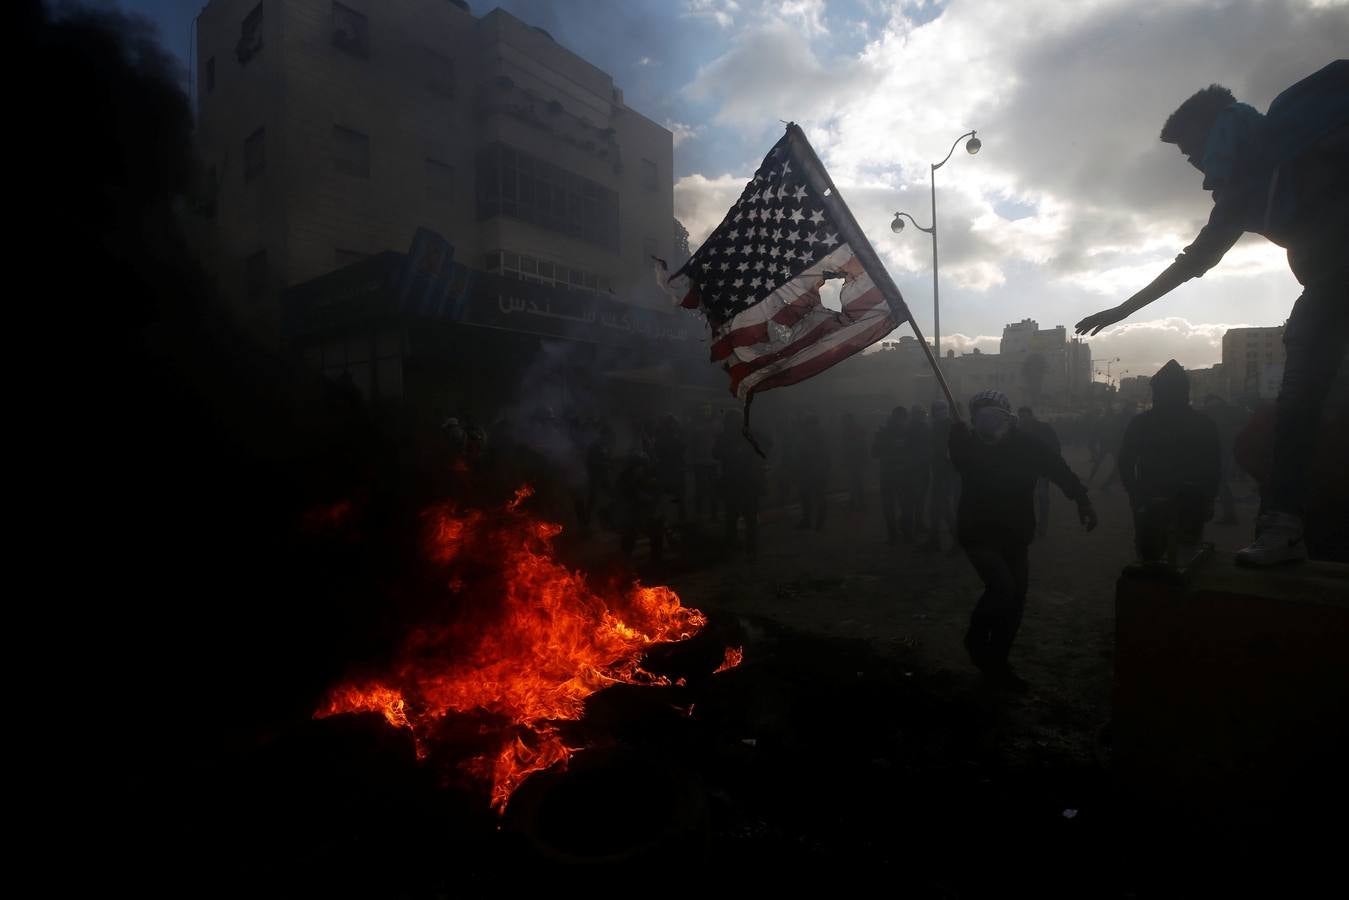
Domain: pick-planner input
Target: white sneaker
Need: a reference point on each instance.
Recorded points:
(1278, 539)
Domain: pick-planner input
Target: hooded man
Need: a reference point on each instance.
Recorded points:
(1170, 462)
(998, 466)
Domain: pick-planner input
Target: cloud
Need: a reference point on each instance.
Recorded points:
(1133, 348)
(720, 11)
(808, 15)
(1068, 99)
(771, 72)
(1144, 347)
(964, 343)
(681, 131)
(701, 202)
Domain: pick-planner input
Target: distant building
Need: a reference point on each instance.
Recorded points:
(333, 130)
(1248, 355)
(1271, 379)
(1135, 389)
(1027, 336)
(1210, 382)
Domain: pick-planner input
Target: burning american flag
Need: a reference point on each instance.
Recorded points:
(758, 276)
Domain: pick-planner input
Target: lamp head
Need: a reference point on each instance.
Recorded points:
(898, 224)
(972, 145)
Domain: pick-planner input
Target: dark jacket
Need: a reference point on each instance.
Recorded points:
(1043, 432)
(998, 484)
(1283, 175)
(1170, 448)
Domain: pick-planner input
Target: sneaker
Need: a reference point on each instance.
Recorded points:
(1278, 539)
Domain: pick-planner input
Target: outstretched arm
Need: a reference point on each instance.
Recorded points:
(1208, 248)
(1162, 285)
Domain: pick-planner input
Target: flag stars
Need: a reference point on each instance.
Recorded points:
(796, 216)
(816, 217)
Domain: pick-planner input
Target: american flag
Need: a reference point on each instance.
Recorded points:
(758, 276)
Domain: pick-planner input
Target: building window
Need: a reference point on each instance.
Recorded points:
(538, 271)
(649, 175)
(351, 31)
(440, 77)
(511, 183)
(440, 181)
(250, 36)
(351, 152)
(209, 75)
(255, 155)
(255, 275)
(344, 258)
(371, 363)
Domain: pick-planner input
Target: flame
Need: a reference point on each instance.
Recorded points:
(734, 656)
(537, 640)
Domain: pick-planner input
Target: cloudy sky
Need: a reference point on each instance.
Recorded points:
(1071, 205)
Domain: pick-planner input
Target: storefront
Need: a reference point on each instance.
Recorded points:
(481, 344)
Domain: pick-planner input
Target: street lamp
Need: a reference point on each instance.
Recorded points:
(1108, 363)
(972, 147)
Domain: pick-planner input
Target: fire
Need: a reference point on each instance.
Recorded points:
(537, 640)
(734, 656)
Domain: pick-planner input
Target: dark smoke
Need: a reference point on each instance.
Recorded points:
(175, 480)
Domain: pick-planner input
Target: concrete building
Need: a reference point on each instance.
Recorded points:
(1136, 389)
(333, 130)
(1027, 336)
(1208, 382)
(1253, 360)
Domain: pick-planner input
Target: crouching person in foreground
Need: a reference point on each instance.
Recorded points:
(998, 466)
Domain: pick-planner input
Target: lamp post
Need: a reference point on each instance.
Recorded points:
(1108, 363)
(972, 147)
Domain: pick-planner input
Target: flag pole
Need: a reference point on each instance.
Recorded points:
(824, 186)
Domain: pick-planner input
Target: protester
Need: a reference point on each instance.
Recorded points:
(1169, 465)
(998, 465)
(889, 450)
(1043, 432)
(853, 455)
(1282, 175)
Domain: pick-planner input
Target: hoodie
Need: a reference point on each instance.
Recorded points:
(1171, 447)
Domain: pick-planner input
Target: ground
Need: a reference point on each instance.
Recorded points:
(912, 605)
(855, 743)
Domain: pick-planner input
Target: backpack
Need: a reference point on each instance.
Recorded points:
(1306, 147)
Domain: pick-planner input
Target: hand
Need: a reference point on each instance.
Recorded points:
(1095, 322)
(1086, 514)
